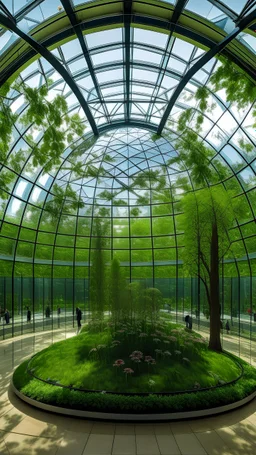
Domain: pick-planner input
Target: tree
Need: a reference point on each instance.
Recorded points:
(211, 211)
(208, 215)
(97, 275)
(116, 292)
(153, 300)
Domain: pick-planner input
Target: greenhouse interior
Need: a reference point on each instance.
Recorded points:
(127, 219)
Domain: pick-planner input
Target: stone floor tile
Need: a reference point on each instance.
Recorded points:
(212, 443)
(11, 419)
(246, 430)
(3, 448)
(99, 444)
(125, 428)
(144, 428)
(162, 428)
(189, 444)
(180, 427)
(167, 444)
(20, 444)
(72, 443)
(103, 428)
(234, 442)
(124, 445)
(34, 427)
(147, 444)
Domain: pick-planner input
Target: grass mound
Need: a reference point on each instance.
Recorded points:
(168, 359)
(134, 360)
(153, 403)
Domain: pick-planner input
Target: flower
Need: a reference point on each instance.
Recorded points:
(156, 340)
(136, 354)
(121, 331)
(128, 371)
(197, 385)
(177, 352)
(151, 383)
(149, 359)
(93, 350)
(166, 342)
(171, 338)
(101, 346)
(141, 335)
(167, 353)
(135, 359)
(118, 363)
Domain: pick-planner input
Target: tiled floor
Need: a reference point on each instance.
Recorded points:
(28, 431)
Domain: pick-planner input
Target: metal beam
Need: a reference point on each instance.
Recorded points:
(180, 5)
(67, 5)
(56, 65)
(7, 12)
(127, 44)
(225, 9)
(17, 57)
(245, 22)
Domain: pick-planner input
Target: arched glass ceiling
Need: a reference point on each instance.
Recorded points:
(140, 220)
(126, 73)
(123, 61)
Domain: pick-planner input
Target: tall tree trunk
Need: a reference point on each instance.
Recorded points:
(214, 343)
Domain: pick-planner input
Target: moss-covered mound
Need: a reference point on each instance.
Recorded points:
(169, 359)
(166, 359)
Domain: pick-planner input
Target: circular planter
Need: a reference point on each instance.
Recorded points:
(133, 417)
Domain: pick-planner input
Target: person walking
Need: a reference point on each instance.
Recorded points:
(28, 315)
(7, 316)
(78, 318)
(227, 327)
(187, 321)
(47, 312)
(58, 315)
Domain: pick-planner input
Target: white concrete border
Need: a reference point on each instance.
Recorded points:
(132, 417)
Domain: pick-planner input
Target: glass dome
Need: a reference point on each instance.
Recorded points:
(129, 70)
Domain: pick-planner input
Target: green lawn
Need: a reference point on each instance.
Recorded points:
(181, 361)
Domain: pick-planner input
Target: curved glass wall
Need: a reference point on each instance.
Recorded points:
(127, 73)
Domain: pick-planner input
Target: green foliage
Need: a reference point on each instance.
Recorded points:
(64, 199)
(7, 119)
(97, 274)
(152, 403)
(153, 302)
(117, 292)
(202, 209)
(240, 89)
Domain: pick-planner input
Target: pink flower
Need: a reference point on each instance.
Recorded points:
(128, 371)
(174, 339)
(118, 363)
(150, 360)
(136, 354)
